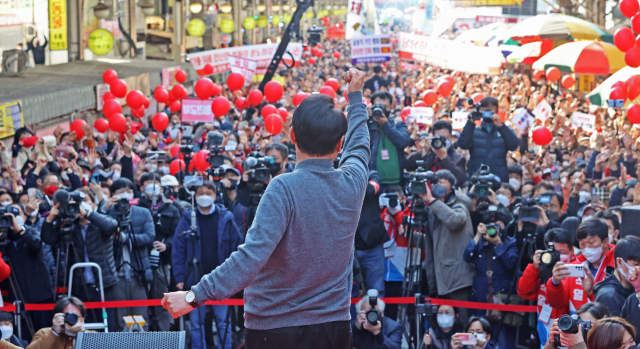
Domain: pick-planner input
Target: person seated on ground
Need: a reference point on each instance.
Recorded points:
(446, 324)
(387, 333)
(481, 329)
(68, 321)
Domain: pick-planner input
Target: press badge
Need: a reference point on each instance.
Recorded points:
(385, 154)
(545, 314)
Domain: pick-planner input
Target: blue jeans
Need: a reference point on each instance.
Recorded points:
(372, 265)
(198, 340)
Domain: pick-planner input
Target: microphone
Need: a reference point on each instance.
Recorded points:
(251, 161)
(215, 138)
(62, 197)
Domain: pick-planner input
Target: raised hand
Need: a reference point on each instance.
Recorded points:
(355, 79)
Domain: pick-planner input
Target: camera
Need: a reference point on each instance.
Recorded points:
(378, 110)
(492, 229)
(215, 156)
(315, 35)
(122, 206)
(438, 142)
(392, 197)
(570, 323)
(262, 166)
(69, 202)
(418, 180)
(484, 180)
(373, 315)
(476, 114)
(550, 256)
(71, 319)
(527, 212)
(7, 221)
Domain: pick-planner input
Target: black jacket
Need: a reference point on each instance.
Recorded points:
(631, 313)
(166, 221)
(38, 51)
(140, 244)
(488, 145)
(371, 232)
(99, 245)
(454, 162)
(611, 293)
(390, 336)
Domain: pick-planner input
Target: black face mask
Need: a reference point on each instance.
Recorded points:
(438, 191)
(275, 168)
(182, 194)
(552, 215)
(234, 184)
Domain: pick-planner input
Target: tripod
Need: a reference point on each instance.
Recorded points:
(19, 303)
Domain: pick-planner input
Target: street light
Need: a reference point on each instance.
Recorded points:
(101, 10)
(195, 7)
(147, 7)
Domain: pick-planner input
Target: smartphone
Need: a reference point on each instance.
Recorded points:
(187, 131)
(594, 196)
(553, 156)
(467, 338)
(230, 147)
(95, 177)
(193, 180)
(62, 151)
(32, 193)
(576, 270)
(161, 156)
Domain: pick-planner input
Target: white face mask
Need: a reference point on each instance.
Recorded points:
(586, 218)
(165, 169)
(65, 176)
(610, 237)
(7, 332)
(116, 176)
(127, 196)
(204, 200)
(86, 206)
(86, 177)
(565, 258)
(445, 321)
(6, 203)
(152, 189)
(625, 274)
(584, 196)
(514, 183)
(153, 167)
(565, 164)
(503, 199)
(563, 180)
(592, 254)
(20, 221)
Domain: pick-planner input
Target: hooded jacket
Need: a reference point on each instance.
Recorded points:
(611, 293)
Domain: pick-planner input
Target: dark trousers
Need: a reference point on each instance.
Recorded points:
(329, 335)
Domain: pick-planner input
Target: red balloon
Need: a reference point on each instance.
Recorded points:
(181, 76)
(633, 113)
(118, 123)
(76, 125)
(635, 22)
(138, 113)
(273, 124)
(553, 74)
(176, 166)
(235, 81)
(174, 150)
(175, 106)
(254, 98)
(336, 55)
(111, 107)
(135, 99)
(208, 69)
(268, 110)
(220, 106)
(316, 52)
(333, 83)
(171, 98)
(420, 104)
(619, 84)
(629, 7)
(618, 93)
(147, 103)
(568, 81)
(203, 88)
(449, 78)
(405, 112)
(273, 91)
(217, 89)
(541, 135)
(101, 125)
(624, 39)
(160, 121)
(632, 57)
(240, 103)
(283, 113)
(161, 95)
(538, 74)
(109, 75)
(107, 96)
(431, 97)
(200, 160)
(178, 91)
(477, 97)
(311, 60)
(299, 97)
(327, 90)
(118, 87)
(444, 88)
(633, 87)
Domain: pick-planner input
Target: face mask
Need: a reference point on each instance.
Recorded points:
(552, 215)
(275, 168)
(447, 144)
(514, 183)
(586, 218)
(565, 164)
(5, 203)
(7, 332)
(20, 221)
(86, 206)
(625, 274)
(86, 177)
(610, 237)
(234, 184)
(116, 175)
(565, 258)
(164, 169)
(487, 114)
(592, 254)
(445, 321)
(439, 191)
(563, 180)
(127, 196)
(584, 196)
(204, 201)
(152, 189)
(503, 199)
(580, 160)
(481, 336)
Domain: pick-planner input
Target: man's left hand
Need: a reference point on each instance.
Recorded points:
(175, 303)
(496, 119)
(375, 329)
(427, 197)
(382, 120)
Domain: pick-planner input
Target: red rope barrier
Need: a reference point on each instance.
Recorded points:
(240, 302)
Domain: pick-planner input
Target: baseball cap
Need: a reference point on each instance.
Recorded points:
(227, 168)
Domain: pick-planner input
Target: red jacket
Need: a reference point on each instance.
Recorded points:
(527, 290)
(608, 261)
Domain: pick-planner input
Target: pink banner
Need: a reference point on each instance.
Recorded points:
(197, 110)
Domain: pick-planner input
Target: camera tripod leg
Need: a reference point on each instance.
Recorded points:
(15, 288)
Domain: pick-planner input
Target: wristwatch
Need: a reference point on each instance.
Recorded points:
(190, 297)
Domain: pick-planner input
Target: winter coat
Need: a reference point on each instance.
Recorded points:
(142, 241)
(390, 336)
(398, 133)
(448, 235)
(631, 312)
(611, 293)
(371, 232)
(165, 222)
(488, 145)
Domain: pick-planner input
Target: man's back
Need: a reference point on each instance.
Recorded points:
(296, 261)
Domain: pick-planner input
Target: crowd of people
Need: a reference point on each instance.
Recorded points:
(479, 213)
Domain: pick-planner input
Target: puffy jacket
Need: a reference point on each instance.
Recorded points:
(144, 234)
(448, 235)
(611, 293)
(228, 241)
(488, 145)
(99, 245)
(166, 222)
(371, 231)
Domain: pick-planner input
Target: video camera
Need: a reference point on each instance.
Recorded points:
(6, 222)
(261, 166)
(483, 180)
(373, 315)
(418, 180)
(527, 212)
(570, 323)
(69, 202)
(315, 35)
(477, 114)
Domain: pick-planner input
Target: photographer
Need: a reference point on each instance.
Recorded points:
(371, 234)
(230, 180)
(132, 246)
(445, 157)
(444, 325)
(450, 232)
(385, 334)
(388, 140)
(614, 290)
(481, 329)
(489, 143)
(68, 320)
(91, 235)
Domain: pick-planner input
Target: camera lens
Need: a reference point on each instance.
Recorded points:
(491, 231)
(546, 257)
(71, 319)
(568, 324)
(437, 143)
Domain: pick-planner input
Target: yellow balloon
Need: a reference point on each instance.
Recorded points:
(309, 15)
(227, 25)
(286, 18)
(275, 20)
(196, 27)
(263, 21)
(100, 41)
(249, 23)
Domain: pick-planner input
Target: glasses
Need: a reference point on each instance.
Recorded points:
(549, 206)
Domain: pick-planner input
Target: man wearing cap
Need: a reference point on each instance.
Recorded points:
(230, 179)
(171, 189)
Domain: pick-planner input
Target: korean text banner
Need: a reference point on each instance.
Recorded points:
(11, 118)
(263, 53)
(370, 49)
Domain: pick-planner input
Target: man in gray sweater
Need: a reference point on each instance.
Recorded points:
(296, 262)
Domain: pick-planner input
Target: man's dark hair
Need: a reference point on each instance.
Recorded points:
(489, 102)
(87, 193)
(543, 184)
(557, 194)
(628, 248)
(558, 235)
(318, 125)
(515, 169)
(121, 183)
(377, 69)
(571, 225)
(610, 216)
(510, 188)
(446, 174)
(593, 227)
(4, 316)
(64, 301)
(281, 148)
(149, 177)
(442, 124)
(381, 95)
(486, 326)
(206, 184)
